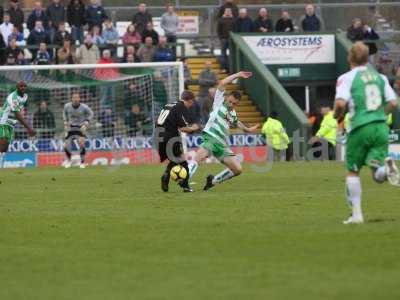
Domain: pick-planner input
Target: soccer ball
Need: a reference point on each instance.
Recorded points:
(178, 173)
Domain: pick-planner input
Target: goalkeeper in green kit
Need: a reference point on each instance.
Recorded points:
(10, 113)
(369, 99)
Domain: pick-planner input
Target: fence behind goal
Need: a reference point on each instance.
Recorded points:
(125, 99)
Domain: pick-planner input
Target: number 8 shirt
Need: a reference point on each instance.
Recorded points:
(366, 92)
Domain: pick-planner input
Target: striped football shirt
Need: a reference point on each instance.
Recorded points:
(221, 119)
(13, 104)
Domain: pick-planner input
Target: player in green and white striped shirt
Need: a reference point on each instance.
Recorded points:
(10, 113)
(216, 133)
(369, 98)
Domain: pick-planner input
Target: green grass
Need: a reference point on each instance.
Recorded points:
(112, 234)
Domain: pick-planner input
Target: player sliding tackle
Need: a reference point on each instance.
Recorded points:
(369, 98)
(10, 113)
(216, 133)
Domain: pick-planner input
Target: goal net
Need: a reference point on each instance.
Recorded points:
(125, 99)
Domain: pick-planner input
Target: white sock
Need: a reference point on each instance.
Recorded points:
(223, 176)
(380, 174)
(353, 191)
(1, 160)
(193, 165)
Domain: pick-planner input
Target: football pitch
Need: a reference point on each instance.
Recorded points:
(106, 233)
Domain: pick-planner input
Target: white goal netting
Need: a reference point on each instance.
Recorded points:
(125, 99)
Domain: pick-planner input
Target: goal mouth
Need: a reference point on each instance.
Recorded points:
(125, 98)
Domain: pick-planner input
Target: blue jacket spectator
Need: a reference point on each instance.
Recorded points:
(310, 21)
(110, 34)
(42, 56)
(38, 14)
(244, 23)
(163, 53)
(95, 14)
(370, 34)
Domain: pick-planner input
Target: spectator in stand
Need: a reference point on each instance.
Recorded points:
(284, 24)
(97, 37)
(225, 25)
(206, 105)
(55, 14)
(38, 14)
(135, 121)
(163, 53)
(12, 49)
(244, 23)
(141, 18)
(231, 5)
(132, 37)
(187, 73)
(44, 121)
(66, 55)
(1, 13)
(107, 121)
(263, 23)
(61, 35)
(149, 31)
(18, 36)
(21, 61)
(160, 96)
(10, 60)
(6, 28)
(310, 21)
(170, 25)
(110, 36)
(2, 52)
(107, 87)
(371, 35)
(42, 56)
(95, 15)
(88, 53)
(16, 15)
(207, 79)
(37, 35)
(147, 50)
(355, 31)
(76, 19)
(130, 54)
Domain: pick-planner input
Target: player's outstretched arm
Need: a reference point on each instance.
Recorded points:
(21, 119)
(391, 106)
(251, 129)
(229, 79)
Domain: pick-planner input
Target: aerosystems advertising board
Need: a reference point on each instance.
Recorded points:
(293, 49)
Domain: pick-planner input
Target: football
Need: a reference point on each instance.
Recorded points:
(178, 173)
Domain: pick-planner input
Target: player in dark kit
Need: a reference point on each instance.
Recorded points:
(174, 119)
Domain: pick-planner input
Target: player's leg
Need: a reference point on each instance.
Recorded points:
(356, 152)
(383, 168)
(67, 150)
(6, 136)
(82, 147)
(200, 156)
(3, 150)
(234, 168)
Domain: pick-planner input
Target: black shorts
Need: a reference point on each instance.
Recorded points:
(171, 149)
(74, 133)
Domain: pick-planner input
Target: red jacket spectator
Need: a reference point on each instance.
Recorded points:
(106, 73)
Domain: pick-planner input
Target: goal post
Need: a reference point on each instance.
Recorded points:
(125, 98)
